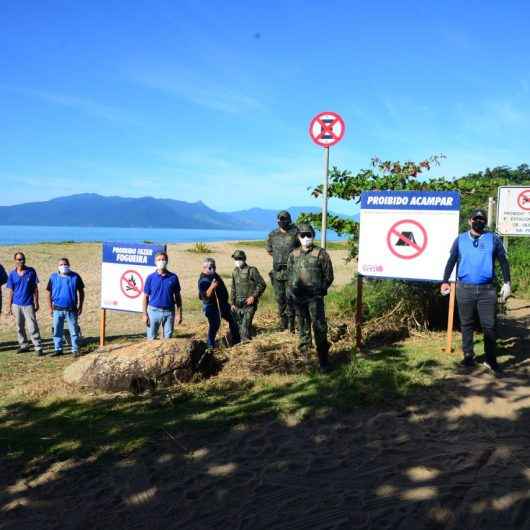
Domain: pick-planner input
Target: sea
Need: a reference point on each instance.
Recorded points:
(24, 235)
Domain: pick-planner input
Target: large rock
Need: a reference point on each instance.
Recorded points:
(139, 365)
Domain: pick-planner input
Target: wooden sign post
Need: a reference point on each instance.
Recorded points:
(359, 313)
(450, 318)
(102, 327)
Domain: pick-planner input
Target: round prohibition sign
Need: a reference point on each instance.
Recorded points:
(406, 239)
(131, 284)
(326, 129)
(523, 200)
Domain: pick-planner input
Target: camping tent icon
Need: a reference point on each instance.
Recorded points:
(408, 237)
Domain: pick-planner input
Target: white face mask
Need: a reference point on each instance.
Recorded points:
(306, 241)
(64, 269)
(161, 264)
(239, 263)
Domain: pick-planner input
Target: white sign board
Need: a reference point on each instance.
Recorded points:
(407, 234)
(513, 211)
(124, 269)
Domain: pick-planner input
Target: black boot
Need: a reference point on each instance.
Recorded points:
(284, 323)
(292, 325)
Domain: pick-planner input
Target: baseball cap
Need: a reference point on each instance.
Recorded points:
(479, 212)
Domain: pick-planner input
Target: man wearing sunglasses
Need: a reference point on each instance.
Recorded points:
(280, 242)
(310, 274)
(23, 303)
(474, 252)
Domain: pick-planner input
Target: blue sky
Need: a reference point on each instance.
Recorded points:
(211, 100)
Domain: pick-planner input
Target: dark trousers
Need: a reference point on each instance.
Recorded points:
(214, 323)
(286, 310)
(481, 299)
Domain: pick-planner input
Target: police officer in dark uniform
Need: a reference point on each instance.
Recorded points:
(310, 274)
(279, 244)
(247, 287)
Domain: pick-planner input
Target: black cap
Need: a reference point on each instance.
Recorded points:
(479, 212)
(284, 215)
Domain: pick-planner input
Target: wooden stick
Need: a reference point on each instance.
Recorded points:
(450, 318)
(359, 313)
(102, 327)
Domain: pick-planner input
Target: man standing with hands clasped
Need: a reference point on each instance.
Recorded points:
(474, 252)
(66, 295)
(161, 296)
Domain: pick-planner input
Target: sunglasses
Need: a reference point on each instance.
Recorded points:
(20, 259)
(306, 234)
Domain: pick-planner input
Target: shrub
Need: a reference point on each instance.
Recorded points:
(200, 248)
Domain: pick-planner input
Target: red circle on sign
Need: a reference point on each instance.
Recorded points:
(326, 128)
(523, 200)
(419, 249)
(133, 286)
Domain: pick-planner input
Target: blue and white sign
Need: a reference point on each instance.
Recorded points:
(124, 269)
(407, 234)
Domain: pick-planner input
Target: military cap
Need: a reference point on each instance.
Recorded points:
(239, 254)
(284, 214)
(306, 227)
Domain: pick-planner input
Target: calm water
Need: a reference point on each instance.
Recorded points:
(18, 235)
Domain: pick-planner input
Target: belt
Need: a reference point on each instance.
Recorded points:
(61, 308)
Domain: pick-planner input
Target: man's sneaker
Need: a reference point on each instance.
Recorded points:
(25, 349)
(39, 352)
(492, 367)
(76, 354)
(57, 353)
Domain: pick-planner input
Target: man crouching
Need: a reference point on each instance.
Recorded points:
(310, 274)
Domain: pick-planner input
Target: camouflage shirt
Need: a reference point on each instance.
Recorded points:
(309, 272)
(280, 244)
(246, 281)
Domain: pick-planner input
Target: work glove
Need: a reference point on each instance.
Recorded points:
(506, 291)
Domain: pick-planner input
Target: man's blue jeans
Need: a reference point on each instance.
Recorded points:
(160, 317)
(59, 317)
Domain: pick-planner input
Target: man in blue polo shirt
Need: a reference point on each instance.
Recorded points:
(161, 295)
(475, 252)
(23, 302)
(66, 295)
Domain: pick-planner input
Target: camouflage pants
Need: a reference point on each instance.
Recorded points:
(286, 311)
(311, 313)
(244, 316)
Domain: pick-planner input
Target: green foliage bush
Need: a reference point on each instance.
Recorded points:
(200, 248)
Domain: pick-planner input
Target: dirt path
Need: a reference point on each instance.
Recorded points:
(458, 457)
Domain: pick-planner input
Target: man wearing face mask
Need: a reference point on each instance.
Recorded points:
(66, 295)
(214, 297)
(474, 252)
(161, 297)
(280, 242)
(310, 274)
(23, 303)
(247, 287)
(3, 280)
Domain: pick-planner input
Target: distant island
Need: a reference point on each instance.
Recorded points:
(94, 210)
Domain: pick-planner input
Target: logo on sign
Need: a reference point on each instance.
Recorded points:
(523, 200)
(131, 284)
(407, 239)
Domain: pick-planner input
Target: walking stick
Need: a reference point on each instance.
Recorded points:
(224, 338)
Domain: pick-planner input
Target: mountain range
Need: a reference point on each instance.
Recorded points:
(91, 209)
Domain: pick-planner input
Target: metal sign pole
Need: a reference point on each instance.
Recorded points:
(325, 199)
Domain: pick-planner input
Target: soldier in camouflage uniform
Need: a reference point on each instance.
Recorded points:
(279, 244)
(247, 287)
(310, 273)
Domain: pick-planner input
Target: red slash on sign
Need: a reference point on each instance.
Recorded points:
(523, 200)
(407, 239)
(131, 284)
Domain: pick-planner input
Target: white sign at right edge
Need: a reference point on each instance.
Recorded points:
(513, 211)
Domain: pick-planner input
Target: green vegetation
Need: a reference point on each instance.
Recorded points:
(200, 248)
(253, 244)
(80, 425)
(519, 256)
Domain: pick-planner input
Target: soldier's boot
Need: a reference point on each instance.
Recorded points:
(284, 323)
(292, 324)
(303, 349)
(323, 358)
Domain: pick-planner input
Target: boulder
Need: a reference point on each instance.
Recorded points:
(137, 366)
